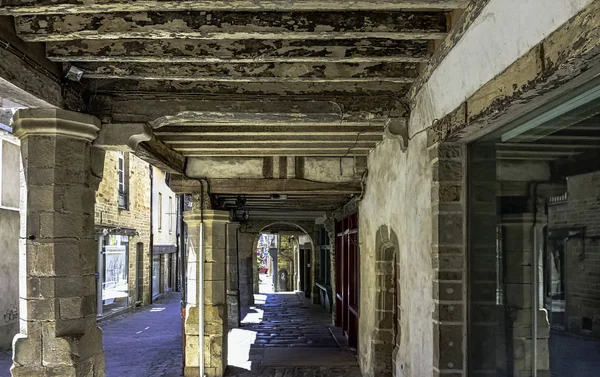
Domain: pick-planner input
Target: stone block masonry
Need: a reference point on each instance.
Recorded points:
(59, 336)
(136, 216)
(582, 259)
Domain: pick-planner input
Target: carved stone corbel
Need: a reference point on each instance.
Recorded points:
(397, 128)
(123, 137)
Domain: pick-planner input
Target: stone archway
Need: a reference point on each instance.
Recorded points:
(386, 331)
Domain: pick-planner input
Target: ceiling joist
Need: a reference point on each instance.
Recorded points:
(233, 25)
(240, 51)
(39, 7)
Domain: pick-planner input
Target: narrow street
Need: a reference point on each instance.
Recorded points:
(145, 343)
(284, 335)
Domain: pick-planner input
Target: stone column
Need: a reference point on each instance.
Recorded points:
(247, 267)
(518, 247)
(233, 291)
(215, 301)
(207, 237)
(58, 254)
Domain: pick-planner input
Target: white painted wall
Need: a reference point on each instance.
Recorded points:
(10, 202)
(167, 233)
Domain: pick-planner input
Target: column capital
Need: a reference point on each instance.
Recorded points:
(208, 216)
(216, 216)
(55, 122)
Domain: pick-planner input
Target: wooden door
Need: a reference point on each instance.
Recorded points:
(347, 277)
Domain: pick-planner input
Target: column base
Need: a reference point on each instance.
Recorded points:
(191, 371)
(68, 356)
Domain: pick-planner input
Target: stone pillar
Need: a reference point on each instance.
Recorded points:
(247, 267)
(207, 237)
(58, 254)
(448, 163)
(233, 291)
(215, 305)
(518, 247)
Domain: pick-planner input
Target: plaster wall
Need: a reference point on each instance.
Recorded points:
(225, 167)
(166, 234)
(10, 185)
(398, 195)
(504, 31)
(399, 184)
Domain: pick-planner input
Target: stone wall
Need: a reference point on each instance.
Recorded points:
(137, 216)
(10, 157)
(582, 285)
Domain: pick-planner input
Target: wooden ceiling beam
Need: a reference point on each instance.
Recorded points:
(267, 131)
(300, 152)
(281, 186)
(380, 92)
(164, 111)
(242, 51)
(272, 146)
(254, 72)
(233, 25)
(39, 7)
(183, 140)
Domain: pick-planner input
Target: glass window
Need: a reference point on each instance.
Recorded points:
(115, 282)
(123, 180)
(534, 250)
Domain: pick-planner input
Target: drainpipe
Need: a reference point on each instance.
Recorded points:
(151, 246)
(99, 308)
(182, 272)
(201, 286)
(535, 276)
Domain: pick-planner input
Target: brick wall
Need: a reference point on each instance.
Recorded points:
(137, 216)
(582, 264)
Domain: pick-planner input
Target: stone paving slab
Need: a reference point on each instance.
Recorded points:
(284, 335)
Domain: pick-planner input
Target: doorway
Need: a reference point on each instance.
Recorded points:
(347, 277)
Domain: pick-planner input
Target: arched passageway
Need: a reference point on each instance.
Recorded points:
(283, 332)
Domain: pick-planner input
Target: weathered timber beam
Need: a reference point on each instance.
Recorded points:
(239, 51)
(158, 110)
(382, 91)
(302, 152)
(281, 186)
(265, 186)
(28, 78)
(233, 25)
(158, 154)
(177, 139)
(271, 146)
(250, 72)
(37, 7)
(260, 130)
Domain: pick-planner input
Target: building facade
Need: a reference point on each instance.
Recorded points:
(10, 224)
(165, 210)
(122, 219)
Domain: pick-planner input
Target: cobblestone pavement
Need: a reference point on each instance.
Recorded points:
(144, 343)
(285, 336)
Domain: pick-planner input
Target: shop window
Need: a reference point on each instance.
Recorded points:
(123, 178)
(114, 272)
